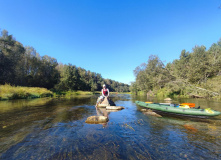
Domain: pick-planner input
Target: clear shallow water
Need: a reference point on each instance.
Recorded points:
(56, 129)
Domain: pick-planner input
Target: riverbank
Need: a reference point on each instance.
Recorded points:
(71, 93)
(8, 92)
(188, 92)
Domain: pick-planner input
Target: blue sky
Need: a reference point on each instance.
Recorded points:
(112, 37)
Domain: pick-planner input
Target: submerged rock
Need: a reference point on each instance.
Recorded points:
(114, 108)
(146, 110)
(152, 114)
(96, 119)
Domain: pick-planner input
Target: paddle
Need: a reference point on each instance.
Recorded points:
(148, 102)
(191, 105)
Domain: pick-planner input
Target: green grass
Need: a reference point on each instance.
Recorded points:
(119, 92)
(8, 92)
(75, 93)
(81, 93)
(72, 93)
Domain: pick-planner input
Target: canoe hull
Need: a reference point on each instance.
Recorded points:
(180, 111)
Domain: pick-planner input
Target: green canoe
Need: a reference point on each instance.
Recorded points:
(181, 111)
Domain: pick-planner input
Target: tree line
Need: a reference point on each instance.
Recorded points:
(23, 66)
(183, 76)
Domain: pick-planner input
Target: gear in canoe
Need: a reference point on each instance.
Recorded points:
(179, 110)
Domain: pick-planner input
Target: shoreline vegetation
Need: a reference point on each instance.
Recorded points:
(195, 74)
(8, 92)
(23, 66)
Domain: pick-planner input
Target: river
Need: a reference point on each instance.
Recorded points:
(50, 128)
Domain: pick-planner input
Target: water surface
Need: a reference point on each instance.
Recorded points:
(56, 129)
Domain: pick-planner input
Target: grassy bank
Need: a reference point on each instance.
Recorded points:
(8, 92)
(120, 92)
(75, 93)
(72, 93)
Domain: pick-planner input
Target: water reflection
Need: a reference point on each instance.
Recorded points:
(19, 105)
(56, 129)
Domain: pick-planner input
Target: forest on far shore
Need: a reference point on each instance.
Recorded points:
(194, 74)
(23, 66)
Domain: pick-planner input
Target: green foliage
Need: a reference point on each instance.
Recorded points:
(213, 84)
(151, 75)
(184, 76)
(73, 93)
(76, 78)
(134, 88)
(23, 66)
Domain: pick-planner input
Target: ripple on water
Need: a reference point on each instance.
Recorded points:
(57, 130)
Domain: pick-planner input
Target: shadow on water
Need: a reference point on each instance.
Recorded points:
(56, 129)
